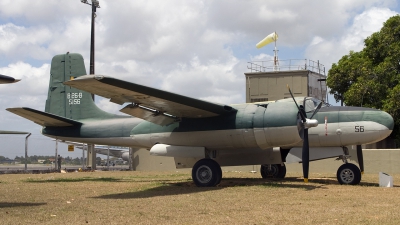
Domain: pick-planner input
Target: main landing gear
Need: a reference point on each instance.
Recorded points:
(206, 173)
(269, 171)
(348, 173)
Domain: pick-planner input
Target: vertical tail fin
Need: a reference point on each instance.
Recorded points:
(66, 101)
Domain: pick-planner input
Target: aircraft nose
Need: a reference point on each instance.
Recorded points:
(384, 122)
(387, 120)
(380, 117)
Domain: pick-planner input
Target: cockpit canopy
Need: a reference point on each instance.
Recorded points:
(309, 103)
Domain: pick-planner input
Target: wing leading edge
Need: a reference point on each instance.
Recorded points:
(154, 105)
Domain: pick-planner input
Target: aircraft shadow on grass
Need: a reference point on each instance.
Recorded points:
(72, 180)
(19, 204)
(97, 179)
(171, 187)
(188, 187)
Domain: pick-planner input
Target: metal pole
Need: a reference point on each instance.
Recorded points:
(92, 40)
(108, 158)
(94, 5)
(56, 158)
(26, 152)
(83, 155)
(92, 43)
(130, 159)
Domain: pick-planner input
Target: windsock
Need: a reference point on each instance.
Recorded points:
(268, 39)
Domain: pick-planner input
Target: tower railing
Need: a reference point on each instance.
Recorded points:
(286, 65)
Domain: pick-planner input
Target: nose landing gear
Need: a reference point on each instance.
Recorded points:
(348, 173)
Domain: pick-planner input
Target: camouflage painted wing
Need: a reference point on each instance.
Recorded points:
(154, 105)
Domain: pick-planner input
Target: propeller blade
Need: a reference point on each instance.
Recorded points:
(305, 156)
(303, 116)
(316, 110)
(360, 158)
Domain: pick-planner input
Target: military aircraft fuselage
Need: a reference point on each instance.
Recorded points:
(261, 126)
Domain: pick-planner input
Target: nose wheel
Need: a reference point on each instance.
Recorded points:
(348, 174)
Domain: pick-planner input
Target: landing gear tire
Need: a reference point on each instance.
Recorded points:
(348, 174)
(276, 171)
(206, 173)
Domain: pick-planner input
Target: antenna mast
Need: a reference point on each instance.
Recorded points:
(276, 60)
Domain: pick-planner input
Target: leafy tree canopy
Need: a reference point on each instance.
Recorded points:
(371, 77)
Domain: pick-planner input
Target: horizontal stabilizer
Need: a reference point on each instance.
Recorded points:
(163, 102)
(7, 80)
(13, 132)
(43, 118)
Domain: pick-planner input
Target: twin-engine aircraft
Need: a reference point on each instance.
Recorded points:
(197, 133)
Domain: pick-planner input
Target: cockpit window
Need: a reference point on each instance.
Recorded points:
(263, 105)
(311, 104)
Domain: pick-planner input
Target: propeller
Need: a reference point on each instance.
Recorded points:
(305, 125)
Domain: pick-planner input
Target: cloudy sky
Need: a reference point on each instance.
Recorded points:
(195, 48)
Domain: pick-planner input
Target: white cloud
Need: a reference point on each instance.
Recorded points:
(34, 80)
(330, 50)
(108, 106)
(18, 41)
(206, 81)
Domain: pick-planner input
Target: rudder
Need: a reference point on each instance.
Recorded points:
(67, 101)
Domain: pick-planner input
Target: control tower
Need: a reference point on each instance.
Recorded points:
(268, 80)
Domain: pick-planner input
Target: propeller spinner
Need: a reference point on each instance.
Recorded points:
(305, 125)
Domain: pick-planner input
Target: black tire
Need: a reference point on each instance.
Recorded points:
(277, 171)
(206, 173)
(348, 174)
(219, 175)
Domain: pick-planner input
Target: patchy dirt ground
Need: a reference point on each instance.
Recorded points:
(172, 198)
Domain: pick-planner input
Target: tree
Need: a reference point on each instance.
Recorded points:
(371, 77)
(343, 75)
